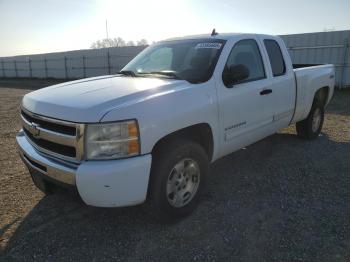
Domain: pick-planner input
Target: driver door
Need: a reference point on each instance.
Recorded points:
(244, 114)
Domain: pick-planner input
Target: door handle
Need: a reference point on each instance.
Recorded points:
(265, 92)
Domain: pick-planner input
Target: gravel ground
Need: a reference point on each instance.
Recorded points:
(281, 199)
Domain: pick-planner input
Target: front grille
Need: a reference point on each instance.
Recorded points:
(68, 130)
(54, 137)
(54, 147)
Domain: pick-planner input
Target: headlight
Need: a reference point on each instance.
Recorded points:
(112, 140)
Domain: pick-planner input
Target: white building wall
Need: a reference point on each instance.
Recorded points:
(323, 48)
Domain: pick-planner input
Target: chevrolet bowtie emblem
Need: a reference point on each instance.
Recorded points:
(34, 129)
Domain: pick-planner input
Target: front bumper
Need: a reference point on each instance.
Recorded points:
(105, 183)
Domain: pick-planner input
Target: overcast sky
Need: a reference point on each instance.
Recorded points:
(40, 26)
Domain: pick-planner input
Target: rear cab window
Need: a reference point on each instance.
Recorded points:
(274, 52)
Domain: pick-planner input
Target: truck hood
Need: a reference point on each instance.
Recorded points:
(88, 100)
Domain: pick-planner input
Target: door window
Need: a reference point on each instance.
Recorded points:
(247, 53)
(276, 59)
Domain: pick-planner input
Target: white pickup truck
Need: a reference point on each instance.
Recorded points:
(150, 131)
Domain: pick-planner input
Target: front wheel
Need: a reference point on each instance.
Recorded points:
(311, 127)
(178, 178)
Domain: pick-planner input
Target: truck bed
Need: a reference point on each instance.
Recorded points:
(310, 78)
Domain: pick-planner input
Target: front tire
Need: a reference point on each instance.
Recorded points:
(178, 178)
(311, 127)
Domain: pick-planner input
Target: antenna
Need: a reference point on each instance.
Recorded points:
(213, 33)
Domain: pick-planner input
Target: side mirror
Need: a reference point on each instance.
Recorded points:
(234, 74)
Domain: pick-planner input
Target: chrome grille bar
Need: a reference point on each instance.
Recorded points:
(49, 135)
(41, 129)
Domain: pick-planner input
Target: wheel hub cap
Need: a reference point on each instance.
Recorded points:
(182, 183)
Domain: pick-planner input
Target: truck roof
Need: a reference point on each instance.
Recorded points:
(222, 36)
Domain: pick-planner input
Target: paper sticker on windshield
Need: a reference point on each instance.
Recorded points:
(208, 45)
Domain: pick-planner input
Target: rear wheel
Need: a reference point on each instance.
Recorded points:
(178, 178)
(311, 127)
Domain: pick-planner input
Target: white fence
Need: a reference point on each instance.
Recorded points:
(69, 65)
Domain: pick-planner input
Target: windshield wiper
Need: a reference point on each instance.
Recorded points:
(127, 73)
(163, 73)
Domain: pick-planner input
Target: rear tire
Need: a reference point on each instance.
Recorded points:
(178, 178)
(311, 127)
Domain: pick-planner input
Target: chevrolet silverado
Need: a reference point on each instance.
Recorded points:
(151, 130)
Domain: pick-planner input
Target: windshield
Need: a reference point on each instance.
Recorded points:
(191, 60)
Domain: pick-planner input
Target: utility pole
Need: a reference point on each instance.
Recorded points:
(107, 29)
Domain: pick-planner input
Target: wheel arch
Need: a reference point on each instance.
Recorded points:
(200, 133)
(322, 94)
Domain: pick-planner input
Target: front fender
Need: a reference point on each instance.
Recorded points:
(173, 110)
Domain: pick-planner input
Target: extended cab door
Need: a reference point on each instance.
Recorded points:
(282, 81)
(245, 114)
